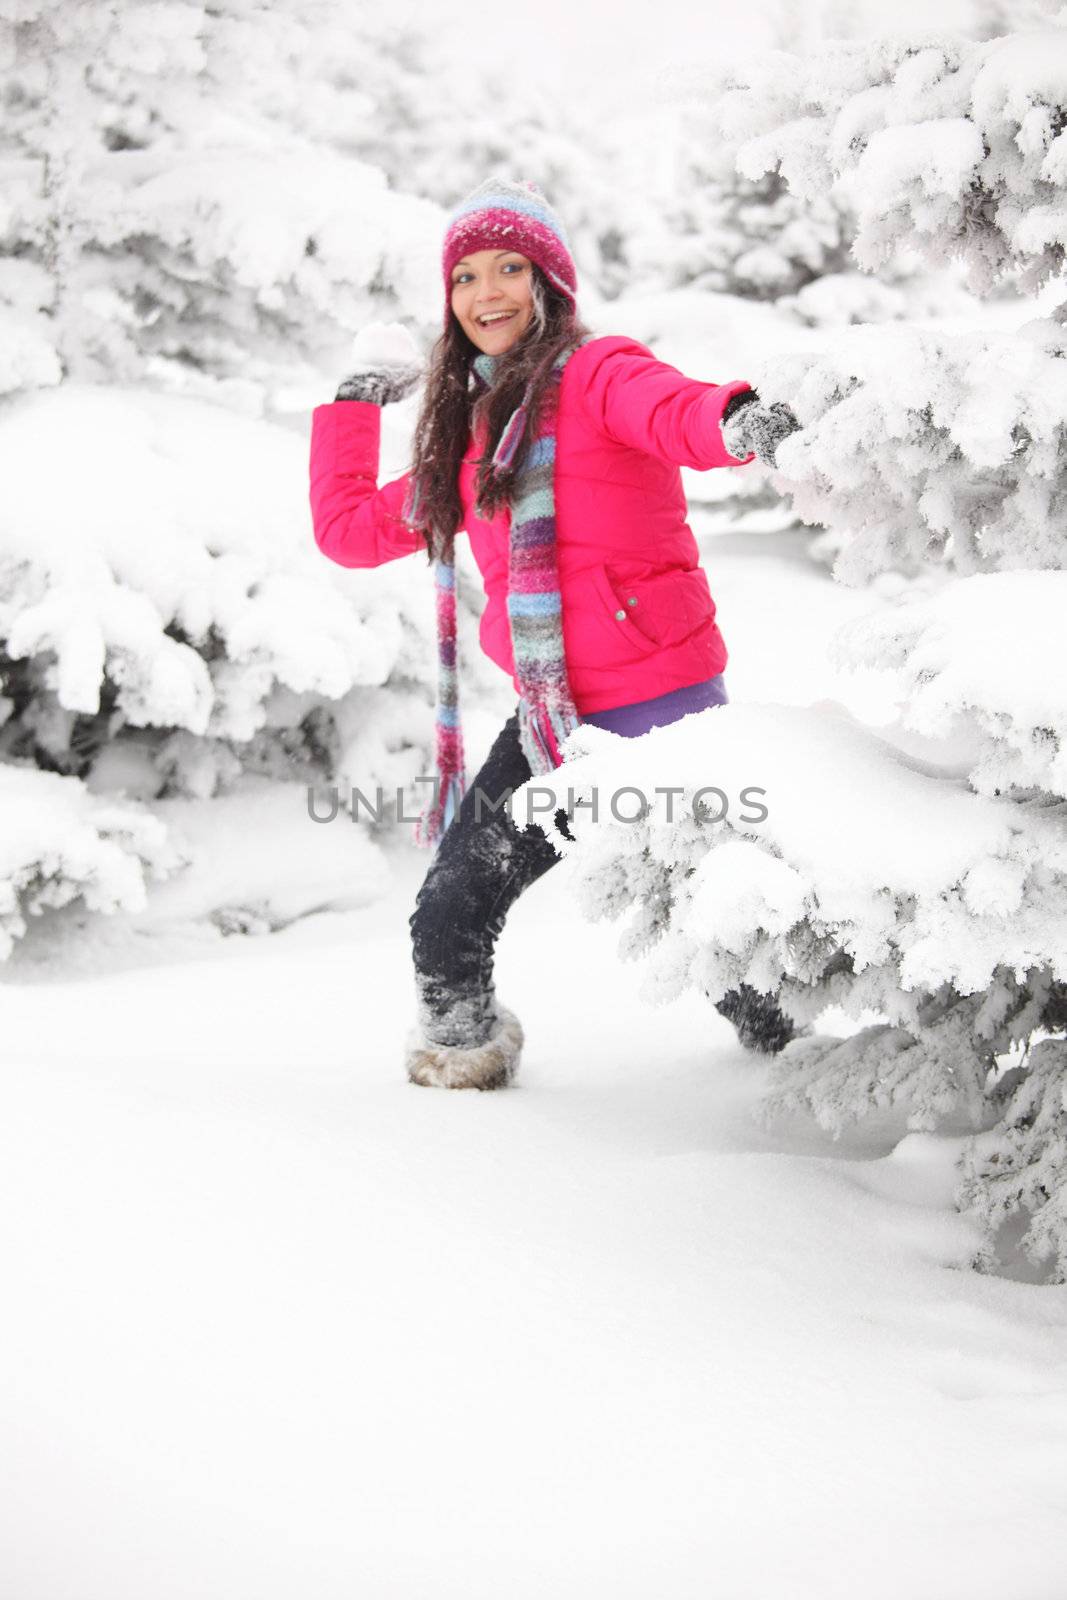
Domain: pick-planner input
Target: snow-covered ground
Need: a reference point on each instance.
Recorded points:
(279, 1324)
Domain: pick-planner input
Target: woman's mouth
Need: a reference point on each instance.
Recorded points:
(493, 319)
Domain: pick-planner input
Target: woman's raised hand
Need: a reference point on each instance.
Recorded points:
(751, 428)
(386, 365)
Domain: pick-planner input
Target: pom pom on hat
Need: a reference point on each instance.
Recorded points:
(506, 215)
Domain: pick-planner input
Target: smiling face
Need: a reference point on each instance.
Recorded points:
(492, 297)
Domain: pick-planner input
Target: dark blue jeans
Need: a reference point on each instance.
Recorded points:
(480, 868)
(483, 864)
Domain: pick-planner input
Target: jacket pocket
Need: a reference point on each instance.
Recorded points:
(662, 609)
(623, 610)
(595, 634)
(612, 619)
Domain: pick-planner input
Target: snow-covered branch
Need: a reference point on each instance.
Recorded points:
(834, 878)
(940, 143)
(920, 446)
(795, 851)
(985, 656)
(165, 580)
(61, 844)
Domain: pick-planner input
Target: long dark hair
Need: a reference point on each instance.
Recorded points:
(450, 406)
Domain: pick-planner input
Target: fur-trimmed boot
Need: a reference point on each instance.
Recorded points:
(491, 1065)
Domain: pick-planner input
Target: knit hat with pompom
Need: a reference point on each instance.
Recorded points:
(503, 215)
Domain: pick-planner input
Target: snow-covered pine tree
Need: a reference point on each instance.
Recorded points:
(187, 210)
(701, 221)
(919, 872)
(168, 211)
(730, 234)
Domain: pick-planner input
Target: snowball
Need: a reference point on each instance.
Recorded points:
(385, 344)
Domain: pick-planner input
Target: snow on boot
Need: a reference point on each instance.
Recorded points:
(490, 1065)
(761, 1024)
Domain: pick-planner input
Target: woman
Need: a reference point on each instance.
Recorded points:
(559, 454)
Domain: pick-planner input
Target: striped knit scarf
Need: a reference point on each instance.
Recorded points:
(547, 713)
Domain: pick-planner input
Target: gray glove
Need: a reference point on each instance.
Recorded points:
(751, 428)
(380, 384)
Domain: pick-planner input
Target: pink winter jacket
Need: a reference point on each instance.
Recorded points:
(638, 616)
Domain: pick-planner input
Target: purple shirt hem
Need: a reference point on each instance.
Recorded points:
(638, 718)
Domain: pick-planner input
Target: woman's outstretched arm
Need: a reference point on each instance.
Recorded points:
(356, 524)
(650, 405)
